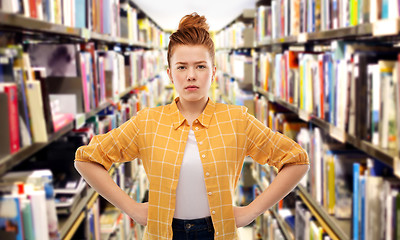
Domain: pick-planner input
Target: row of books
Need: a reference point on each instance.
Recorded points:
(115, 224)
(306, 225)
(375, 196)
(239, 64)
(49, 85)
(111, 17)
(294, 216)
(237, 35)
(350, 185)
(27, 206)
(346, 182)
(353, 87)
(231, 92)
(284, 18)
(59, 189)
(111, 223)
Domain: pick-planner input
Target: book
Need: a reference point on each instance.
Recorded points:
(90, 48)
(386, 115)
(11, 226)
(24, 118)
(35, 105)
(302, 221)
(12, 128)
(80, 14)
(40, 75)
(343, 162)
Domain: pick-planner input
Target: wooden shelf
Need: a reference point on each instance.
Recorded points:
(12, 160)
(353, 32)
(20, 23)
(69, 225)
(287, 232)
(339, 230)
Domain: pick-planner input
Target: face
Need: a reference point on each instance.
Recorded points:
(191, 71)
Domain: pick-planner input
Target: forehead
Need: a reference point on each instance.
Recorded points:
(190, 53)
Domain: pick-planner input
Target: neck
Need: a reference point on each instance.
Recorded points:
(191, 110)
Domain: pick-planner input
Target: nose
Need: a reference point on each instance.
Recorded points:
(191, 74)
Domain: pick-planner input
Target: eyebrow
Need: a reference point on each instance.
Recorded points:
(184, 63)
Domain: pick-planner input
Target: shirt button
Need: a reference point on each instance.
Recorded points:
(197, 128)
(209, 193)
(207, 174)
(201, 143)
(203, 155)
(217, 233)
(213, 212)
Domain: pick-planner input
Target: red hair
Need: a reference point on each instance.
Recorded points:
(192, 30)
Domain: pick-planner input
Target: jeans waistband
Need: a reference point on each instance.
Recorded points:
(193, 224)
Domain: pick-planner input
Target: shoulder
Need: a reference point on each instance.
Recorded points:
(235, 111)
(154, 111)
(155, 114)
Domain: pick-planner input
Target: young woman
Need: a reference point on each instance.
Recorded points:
(192, 151)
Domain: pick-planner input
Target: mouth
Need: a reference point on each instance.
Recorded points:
(191, 88)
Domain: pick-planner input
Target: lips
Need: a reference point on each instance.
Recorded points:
(191, 87)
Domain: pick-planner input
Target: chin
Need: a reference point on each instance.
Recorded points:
(193, 98)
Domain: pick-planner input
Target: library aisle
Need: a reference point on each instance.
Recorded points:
(325, 73)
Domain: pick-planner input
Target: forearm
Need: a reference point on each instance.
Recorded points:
(99, 179)
(286, 180)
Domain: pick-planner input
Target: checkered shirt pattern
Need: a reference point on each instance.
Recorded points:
(225, 135)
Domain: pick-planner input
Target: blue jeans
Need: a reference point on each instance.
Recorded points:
(196, 229)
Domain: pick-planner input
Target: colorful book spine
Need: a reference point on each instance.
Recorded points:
(356, 201)
(10, 89)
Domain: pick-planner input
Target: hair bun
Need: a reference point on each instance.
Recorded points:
(193, 20)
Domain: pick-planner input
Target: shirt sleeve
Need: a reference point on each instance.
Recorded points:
(273, 148)
(118, 145)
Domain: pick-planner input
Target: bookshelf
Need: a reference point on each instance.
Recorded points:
(365, 31)
(69, 225)
(12, 160)
(285, 36)
(286, 231)
(25, 25)
(143, 50)
(388, 156)
(335, 228)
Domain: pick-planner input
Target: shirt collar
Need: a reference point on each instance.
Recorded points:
(204, 118)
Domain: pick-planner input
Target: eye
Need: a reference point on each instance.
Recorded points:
(201, 66)
(180, 67)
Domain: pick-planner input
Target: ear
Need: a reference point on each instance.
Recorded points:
(170, 75)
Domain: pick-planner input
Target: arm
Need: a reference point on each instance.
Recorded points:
(286, 180)
(98, 178)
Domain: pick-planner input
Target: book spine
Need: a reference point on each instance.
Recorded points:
(356, 198)
(13, 117)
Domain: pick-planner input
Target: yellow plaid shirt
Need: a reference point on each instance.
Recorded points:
(225, 135)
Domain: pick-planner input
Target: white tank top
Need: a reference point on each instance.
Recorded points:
(191, 193)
